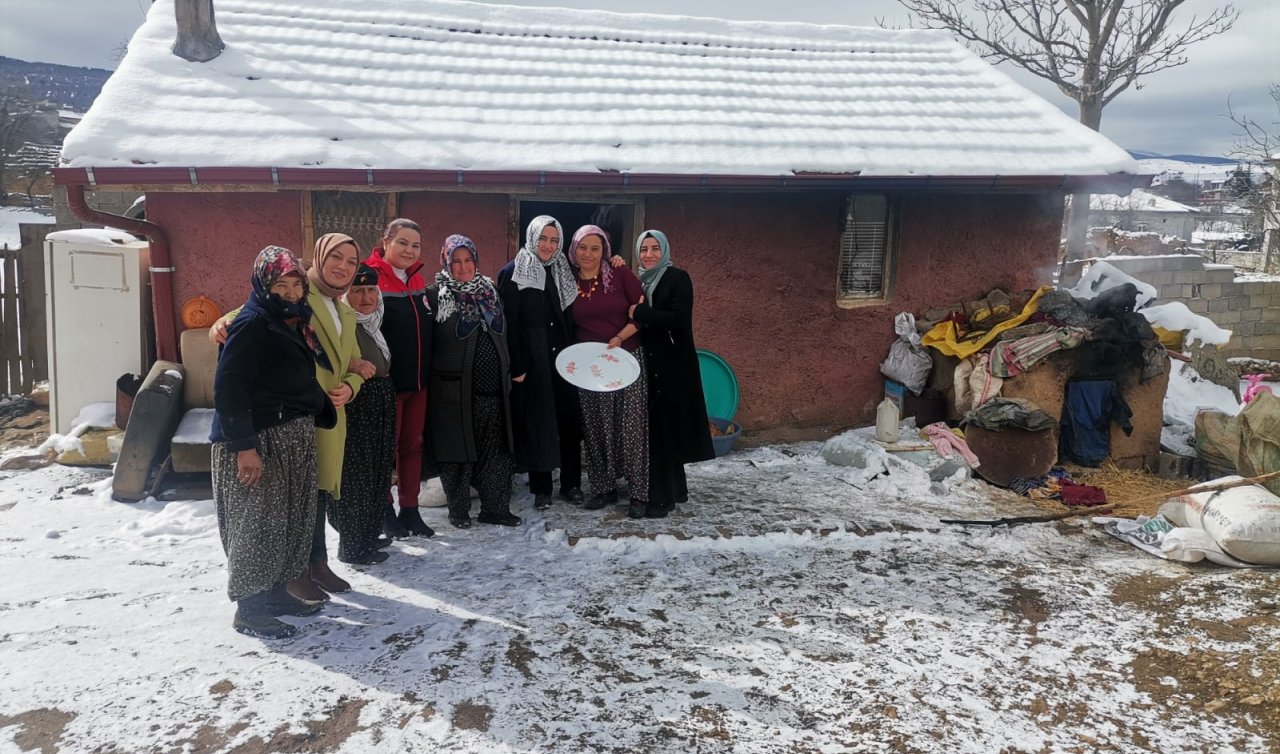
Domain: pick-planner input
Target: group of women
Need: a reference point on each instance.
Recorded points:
(334, 377)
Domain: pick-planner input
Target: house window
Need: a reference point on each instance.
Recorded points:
(866, 256)
(360, 214)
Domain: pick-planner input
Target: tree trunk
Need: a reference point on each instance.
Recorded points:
(1078, 212)
(198, 39)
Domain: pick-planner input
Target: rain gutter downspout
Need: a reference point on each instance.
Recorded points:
(161, 266)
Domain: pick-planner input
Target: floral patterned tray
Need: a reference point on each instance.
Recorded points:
(595, 366)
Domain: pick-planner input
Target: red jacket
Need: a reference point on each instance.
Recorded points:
(406, 324)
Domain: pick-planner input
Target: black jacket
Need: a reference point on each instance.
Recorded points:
(406, 323)
(265, 376)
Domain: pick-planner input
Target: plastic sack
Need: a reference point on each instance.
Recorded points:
(1244, 521)
(1259, 450)
(908, 361)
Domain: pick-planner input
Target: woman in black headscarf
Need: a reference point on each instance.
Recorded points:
(267, 405)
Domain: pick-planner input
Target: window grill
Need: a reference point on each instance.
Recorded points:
(864, 247)
(360, 214)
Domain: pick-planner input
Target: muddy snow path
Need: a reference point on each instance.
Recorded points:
(894, 634)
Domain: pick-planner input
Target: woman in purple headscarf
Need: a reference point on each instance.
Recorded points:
(615, 425)
(469, 414)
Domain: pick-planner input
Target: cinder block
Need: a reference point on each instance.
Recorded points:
(1198, 305)
(1211, 291)
(1217, 304)
(1170, 292)
(1270, 314)
(1222, 276)
(1158, 278)
(1190, 290)
(1236, 303)
(1259, 301)
(1250, 315)
(1243, 329)
(1266, 328)
(1231, 289)
(1228, 318)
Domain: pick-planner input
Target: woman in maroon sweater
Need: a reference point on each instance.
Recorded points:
(615, 425)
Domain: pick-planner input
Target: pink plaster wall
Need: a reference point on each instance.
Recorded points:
(214, 239)
(764, 272)
(481, 217)
(763, 265)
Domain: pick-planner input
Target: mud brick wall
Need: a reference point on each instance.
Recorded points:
(1249, 308)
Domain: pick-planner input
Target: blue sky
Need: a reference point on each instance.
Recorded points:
(1177, 111)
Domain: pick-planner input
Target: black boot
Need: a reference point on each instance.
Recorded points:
(278, 601)
(502, 518)
(595, 503)
(391, 525)
(412, 521)
(637, 509)
(541, 502)
(460, 520)
(253, 618)
(572, 496)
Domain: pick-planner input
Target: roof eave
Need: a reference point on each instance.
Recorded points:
(249, 178)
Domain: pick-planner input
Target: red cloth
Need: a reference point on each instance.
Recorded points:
(411, 420)
(1082, 494)
(599, 318)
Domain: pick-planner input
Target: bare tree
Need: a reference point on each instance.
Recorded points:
(1092, 50)
(17, 124)
(33, 164)
(1259, 143)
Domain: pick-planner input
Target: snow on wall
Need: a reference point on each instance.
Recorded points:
(444, 85)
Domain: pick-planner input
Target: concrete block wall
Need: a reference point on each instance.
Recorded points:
(1249, 308)
(115, 202)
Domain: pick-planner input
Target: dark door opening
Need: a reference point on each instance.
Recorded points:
(618, 220)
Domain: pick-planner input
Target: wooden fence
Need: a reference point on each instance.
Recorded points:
(24, 346)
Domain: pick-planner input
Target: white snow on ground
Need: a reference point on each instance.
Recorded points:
(1189, 393)
(480, 86)
(783, 610)
(10, 217)
(1137, 200)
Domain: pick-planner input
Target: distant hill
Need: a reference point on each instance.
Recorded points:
(64, 86)
(1138, 154)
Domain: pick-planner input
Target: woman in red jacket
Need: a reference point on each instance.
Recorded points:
(406, 326)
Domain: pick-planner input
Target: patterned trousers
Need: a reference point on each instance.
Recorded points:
(367, 462)
(266, 529)
(615, 428)
(491, 472)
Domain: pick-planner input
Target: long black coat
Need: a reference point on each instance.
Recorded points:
(677, 409)
(450, 434)
(537, 330)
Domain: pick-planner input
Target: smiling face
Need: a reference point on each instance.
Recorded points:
(339, 266)
(650, 253)
(590, 251)
(462, 266)
(548, 242)
(289, 288)
(402, 248)
(363, 298)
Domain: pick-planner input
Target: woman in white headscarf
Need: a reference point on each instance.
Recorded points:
(538, 289)
(370, 454)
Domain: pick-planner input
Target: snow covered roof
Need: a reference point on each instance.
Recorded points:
(446, 85)
(1137, 201)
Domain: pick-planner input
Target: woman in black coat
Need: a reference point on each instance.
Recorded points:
(678, 427)
(538, 289)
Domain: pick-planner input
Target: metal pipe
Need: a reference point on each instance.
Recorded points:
(161, 266)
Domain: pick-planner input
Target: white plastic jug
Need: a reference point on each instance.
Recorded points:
(887, 421)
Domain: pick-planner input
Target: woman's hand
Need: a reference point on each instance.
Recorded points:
(363, 368)
(615, 341)
(341, 395)
(617, 261)
(520, 378)
(248, 467)
(218, 332)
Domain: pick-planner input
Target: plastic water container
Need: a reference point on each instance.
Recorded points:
(887, 420)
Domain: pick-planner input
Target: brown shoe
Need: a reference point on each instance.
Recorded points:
(305, 589)
(325, 578)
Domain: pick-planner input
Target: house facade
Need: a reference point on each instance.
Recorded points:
(814, 181)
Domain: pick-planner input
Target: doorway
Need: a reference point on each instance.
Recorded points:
(620, 219)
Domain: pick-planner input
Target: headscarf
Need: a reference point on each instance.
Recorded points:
(475, 300)
(649, 278)
(273, 263)
(606, 273)
(325, 246)
(531, 272)
(371, 322)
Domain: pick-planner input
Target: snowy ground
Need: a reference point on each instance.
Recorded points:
(878, 629)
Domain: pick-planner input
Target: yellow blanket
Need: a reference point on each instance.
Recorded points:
(946, 338)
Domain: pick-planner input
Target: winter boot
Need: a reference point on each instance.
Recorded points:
(541, 502)
(573, 496)
(303, 588)
(254, 619)
(637, 509)
(325, 578)
(501, 518)
(278, 601)
(412, 521)
(391, 525)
